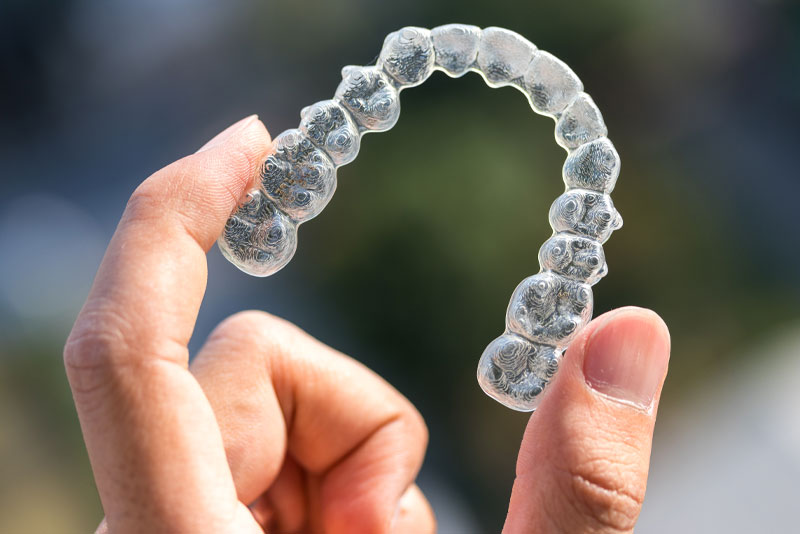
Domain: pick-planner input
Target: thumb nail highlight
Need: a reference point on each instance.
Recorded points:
(627, 357)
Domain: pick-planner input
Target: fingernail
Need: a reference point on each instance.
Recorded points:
(228, 133)
(627, 357)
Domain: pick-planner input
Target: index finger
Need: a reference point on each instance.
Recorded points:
(153, 442)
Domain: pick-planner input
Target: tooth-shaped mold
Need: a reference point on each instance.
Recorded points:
(580, 123)
(258, 238)
(584, 212)
(593, 166)
(503, 57)
(330, 127)
(574, 257)
(549, 309)
(370, 97)
(456, 47)
(550, 84)
(299, 177)
(514, 371)
(407, 56)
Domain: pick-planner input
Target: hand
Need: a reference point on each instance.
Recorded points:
(269, 429)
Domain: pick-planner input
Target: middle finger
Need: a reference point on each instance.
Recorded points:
(274, 390)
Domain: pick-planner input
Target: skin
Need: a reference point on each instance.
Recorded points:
(269, 429)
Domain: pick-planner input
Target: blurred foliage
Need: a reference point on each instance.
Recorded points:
(437, 221)
(45, 478)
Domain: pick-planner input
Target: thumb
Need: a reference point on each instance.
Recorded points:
(584, 459)
(153, 441)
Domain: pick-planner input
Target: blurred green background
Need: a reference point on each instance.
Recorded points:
(410, 267)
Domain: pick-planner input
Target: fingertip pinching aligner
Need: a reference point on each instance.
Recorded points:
(548, 309)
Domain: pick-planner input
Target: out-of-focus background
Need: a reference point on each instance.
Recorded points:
(410, 267)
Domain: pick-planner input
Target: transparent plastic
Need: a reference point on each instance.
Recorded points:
(298, 177)
(550, 84)
(548, 309)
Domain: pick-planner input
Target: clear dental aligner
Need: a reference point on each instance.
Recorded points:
(548, 309)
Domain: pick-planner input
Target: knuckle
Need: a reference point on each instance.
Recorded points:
(248, 320)
(146, 200)
(104, 346)
(92, 346)
(604, 494)
(253, 328)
